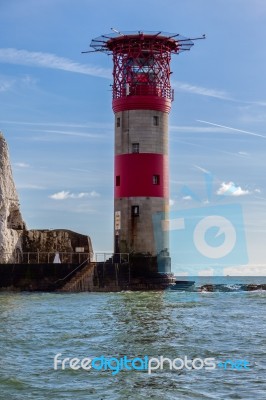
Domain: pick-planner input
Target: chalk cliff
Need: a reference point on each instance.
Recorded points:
(19, 245)
(11, 222)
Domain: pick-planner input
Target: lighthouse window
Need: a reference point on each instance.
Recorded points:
(155, 120)
(117, 180)
(135, 147)
(156, 179)
(135, 211)
(118, 122)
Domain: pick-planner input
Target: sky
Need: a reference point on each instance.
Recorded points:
(56, 115)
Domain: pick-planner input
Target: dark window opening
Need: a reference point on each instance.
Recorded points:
(118, 122)
(117, 180)
(135, 147)
(156, 179)
(155, 120)
(135, 211)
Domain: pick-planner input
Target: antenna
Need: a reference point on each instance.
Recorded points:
(116, 31)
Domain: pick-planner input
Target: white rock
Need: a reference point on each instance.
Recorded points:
(11, 222)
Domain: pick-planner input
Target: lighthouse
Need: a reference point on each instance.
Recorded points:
(141, 102)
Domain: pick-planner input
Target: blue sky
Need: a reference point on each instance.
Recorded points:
(56, 109)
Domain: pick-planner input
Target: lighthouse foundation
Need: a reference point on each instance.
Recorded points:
(139, 273)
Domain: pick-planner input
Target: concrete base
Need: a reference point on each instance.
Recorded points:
(140, 273)
(34, 277)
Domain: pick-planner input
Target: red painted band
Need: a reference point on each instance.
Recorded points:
(142, 103)
(141, 175)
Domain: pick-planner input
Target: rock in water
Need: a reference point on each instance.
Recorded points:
(11, 222)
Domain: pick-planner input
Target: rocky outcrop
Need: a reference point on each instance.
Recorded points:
(11, 222)
(237, 287)
(19, 245)
(42, 245)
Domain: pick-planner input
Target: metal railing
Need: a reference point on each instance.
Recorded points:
(46, 257)
(39, 257)
(113, 258)
(61, 280)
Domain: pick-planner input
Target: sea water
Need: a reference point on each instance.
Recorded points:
(35, 327)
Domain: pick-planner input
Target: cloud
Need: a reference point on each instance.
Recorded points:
(21, 165)
(186, 87)
(29, 186)
(63, 195)
(74, 133)
(5, 84)
(171, 202)
(243, 153)
(194, 129)
(49, 60)
(246, 270)
(94, 194)
(28, 80)
(233, 129)
(218, 94)
(206, 272)
(187, 198)
(230, 189)
(202, 169)
(52, 61)
(94, 125)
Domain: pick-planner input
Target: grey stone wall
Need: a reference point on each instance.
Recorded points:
(137, 126)
(137, 233)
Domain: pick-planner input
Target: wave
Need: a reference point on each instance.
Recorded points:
(237, 287)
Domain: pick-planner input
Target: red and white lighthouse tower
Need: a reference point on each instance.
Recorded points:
(142, 97)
